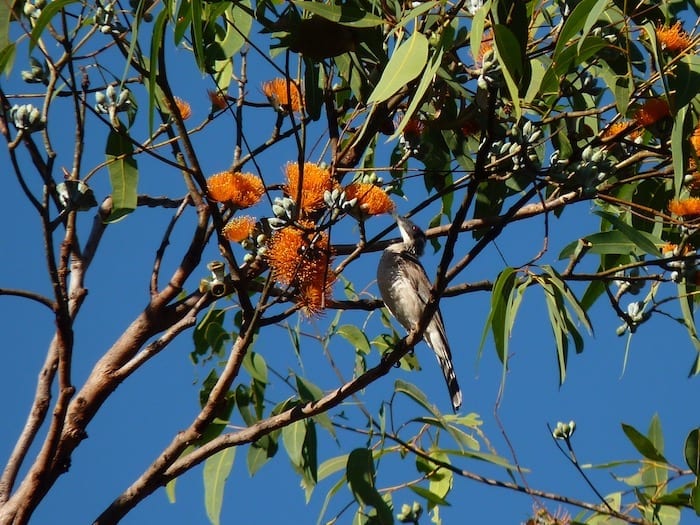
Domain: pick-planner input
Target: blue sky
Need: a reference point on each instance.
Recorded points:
(144, 413)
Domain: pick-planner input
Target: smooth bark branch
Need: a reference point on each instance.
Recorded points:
(170, 466)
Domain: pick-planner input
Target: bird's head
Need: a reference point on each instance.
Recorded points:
(412, 235)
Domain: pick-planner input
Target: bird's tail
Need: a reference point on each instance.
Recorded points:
(435, 337)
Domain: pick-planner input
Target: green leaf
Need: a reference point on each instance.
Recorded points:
(678, 143)
(356, 337)
(609, 242)
(555, 305)
(261, 452)
(7, 58)
(331, 466)
(344, 14)
(414, 393)
(360, 474)
(571, 299)
(5, 17)
(432, 498)
(509, 56)
(695, 499)
(255, 365)
(417, 96)
(170, 490)
(643, 240)
(440, 479)
(332, 492)
(197, 32)
(643, 444)
(691, 451)
(495, 322)
(123, 175)
(156, 40)
(405, 64)
(593, 15)
(573, 24)
(216, 471)
(293, 436)
(50, 10)
(685, 301)
(476, 35)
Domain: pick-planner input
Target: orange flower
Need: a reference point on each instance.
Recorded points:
(240, 189)
(485, 47)
(183, 108)
(470, 127)
(279, 92)
(619, 128)
(315, 182)
(686, 208)
(652, 111)
(371, 199)
(239, 228)
(695, 140)
(671, 248)
(218, 99)
(301, 258)
(414, 127)
(673, 39)
(314, 296)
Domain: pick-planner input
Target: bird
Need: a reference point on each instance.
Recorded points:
(405, 289)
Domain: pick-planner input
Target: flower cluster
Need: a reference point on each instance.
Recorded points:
(410, 139)
(241, 190)
(686, 209)
(183, 108)
(217, 99)
(106, 20)
(371, 199)
(38, 74)
(518, 147)
(673, 39)
(110, 103)
(309, 186)
(621, 128)
(681, 268)
(284, 95)
(652, 111)
(300, 257)
(27, 118)
(239, 228)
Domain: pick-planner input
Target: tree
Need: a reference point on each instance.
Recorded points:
(486, 114)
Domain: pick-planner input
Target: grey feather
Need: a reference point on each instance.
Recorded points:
(405, 290)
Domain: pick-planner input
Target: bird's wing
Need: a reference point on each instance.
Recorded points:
(434, 334)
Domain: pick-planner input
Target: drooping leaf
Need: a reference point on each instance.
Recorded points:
(360, 474)
(256, 366)
(48, 12)
(509, 56)
(573, 24)
(498, 313)
(643, 444)
(356, 337)
(7, 58)
(216, 471)
(123, 175)
(432, 498)
(293, 436)
(691, 451)
(415, 394)
(407, 62)
(679, 151)
(609, 242)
